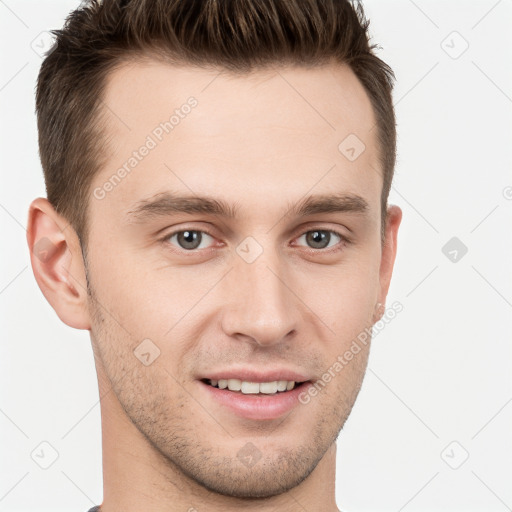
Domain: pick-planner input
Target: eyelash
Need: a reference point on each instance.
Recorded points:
(340, 245)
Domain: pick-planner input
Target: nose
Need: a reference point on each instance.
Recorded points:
(259, 303)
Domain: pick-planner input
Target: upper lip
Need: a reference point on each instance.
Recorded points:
(255, 375)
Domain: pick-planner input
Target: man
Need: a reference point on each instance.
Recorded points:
(217, 177)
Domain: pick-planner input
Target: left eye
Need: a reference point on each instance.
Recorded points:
(191, 239)
(320, 238)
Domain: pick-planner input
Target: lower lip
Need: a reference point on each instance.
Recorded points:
(257, 406)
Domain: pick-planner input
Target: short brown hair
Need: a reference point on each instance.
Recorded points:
(237, 35)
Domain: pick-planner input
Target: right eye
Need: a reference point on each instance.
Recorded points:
(187, 239)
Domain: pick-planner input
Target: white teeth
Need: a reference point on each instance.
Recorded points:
(250, 388)
(268, 387)
(234, 384)
(254, 388)
(281, 385)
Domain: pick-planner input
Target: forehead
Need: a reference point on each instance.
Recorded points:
(271, 135)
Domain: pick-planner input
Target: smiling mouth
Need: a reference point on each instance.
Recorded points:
(254, 388)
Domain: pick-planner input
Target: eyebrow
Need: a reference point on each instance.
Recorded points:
(167, 204)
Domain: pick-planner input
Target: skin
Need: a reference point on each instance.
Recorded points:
(262, 142)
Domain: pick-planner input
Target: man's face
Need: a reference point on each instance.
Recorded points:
(265, 291)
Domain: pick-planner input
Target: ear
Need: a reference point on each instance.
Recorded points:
(389, 249)
(57, 263)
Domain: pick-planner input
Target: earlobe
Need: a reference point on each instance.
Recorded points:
(57, 263)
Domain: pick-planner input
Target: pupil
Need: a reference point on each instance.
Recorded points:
(319, 237)
(189, 239)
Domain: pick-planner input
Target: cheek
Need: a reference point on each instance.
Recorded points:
(344, 297)
(155, 310)
(144, 297)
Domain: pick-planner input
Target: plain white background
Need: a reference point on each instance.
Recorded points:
(431, 428)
